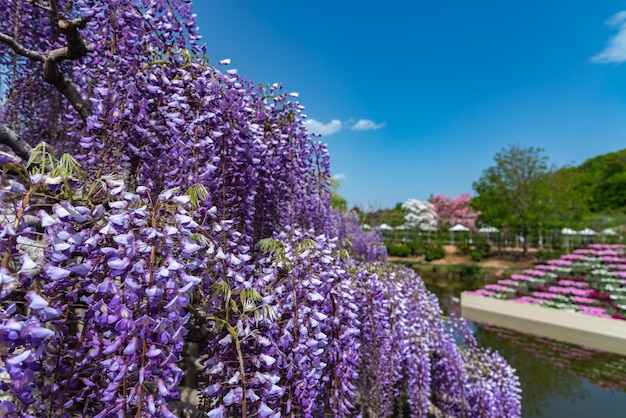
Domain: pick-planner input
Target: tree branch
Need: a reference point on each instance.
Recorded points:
(76, 48)
(21, 148)
(64, 85)
(19, 49)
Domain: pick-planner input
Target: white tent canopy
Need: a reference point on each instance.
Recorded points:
(568, 231)
(608, 231)
(459, 228)
(429, 228)
(587, 231)
(385, 227)
(401, 227)
(366, 226)
(488, 229)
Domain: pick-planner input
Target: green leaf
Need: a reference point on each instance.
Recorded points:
(269, 245)
(68, 166)
(222, 289)
(344, 255)
(253, 294)
(305, 244)
(41, 158)
(198, 193)
(247, 306)
(200, 239)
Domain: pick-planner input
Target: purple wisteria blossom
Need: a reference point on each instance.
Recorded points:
(191, 214)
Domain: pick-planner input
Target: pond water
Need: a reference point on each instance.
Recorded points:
(558, 379)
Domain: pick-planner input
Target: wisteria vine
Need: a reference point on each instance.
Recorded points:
(166, 227)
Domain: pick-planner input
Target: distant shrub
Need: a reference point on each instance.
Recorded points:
(464, 247)
(469, 271)
(396, 250)
(434, 252)
(482, 246)
(476, 255)
(544, 255)
(416, 247)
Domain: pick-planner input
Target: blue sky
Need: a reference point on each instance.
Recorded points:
(414, 98)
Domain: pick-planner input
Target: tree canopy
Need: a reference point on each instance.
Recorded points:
(455, 211)
(419, 215)
(523, 192)
(603, 181)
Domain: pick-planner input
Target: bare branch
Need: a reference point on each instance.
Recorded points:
(76, 48)
(41, 6)
(53, 8)
(19, 49)
(54, 76)
(21, 148)
(66, 25)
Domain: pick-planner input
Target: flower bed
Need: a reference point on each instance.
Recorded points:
(591, 281)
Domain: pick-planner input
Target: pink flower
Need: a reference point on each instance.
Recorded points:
(546, 267)
(572, 257)
(573, 283)
(545, 295)
(581, 299)
(560, 262)
(482, 292)
(538, 273)
(497, 288)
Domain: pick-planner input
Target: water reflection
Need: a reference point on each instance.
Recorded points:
(541, 379)
(558, 379)
(605, 370)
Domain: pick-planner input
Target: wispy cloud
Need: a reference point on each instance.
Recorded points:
(325, 129)
(616, 49)
(335, 125)
(366, 125)
(340, 177)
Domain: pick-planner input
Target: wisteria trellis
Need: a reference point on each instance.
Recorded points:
(193, 208)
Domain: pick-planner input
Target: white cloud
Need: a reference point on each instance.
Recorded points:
(366, 125)
(617, 19)
(335, 125)
(340, 177)
(616, 49)
(325, 129)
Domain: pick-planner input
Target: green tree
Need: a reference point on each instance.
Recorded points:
(337, 201)
(376, 216)
(603, 180)
(523, 192)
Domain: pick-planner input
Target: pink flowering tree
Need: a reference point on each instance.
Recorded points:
(455, 210)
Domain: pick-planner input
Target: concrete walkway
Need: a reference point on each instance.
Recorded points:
(601, 333)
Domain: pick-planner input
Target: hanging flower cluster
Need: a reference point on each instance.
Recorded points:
(194, 212)
(27, 93)
(97, 325)
(364, 245)
(422, 362)
(286, 340)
